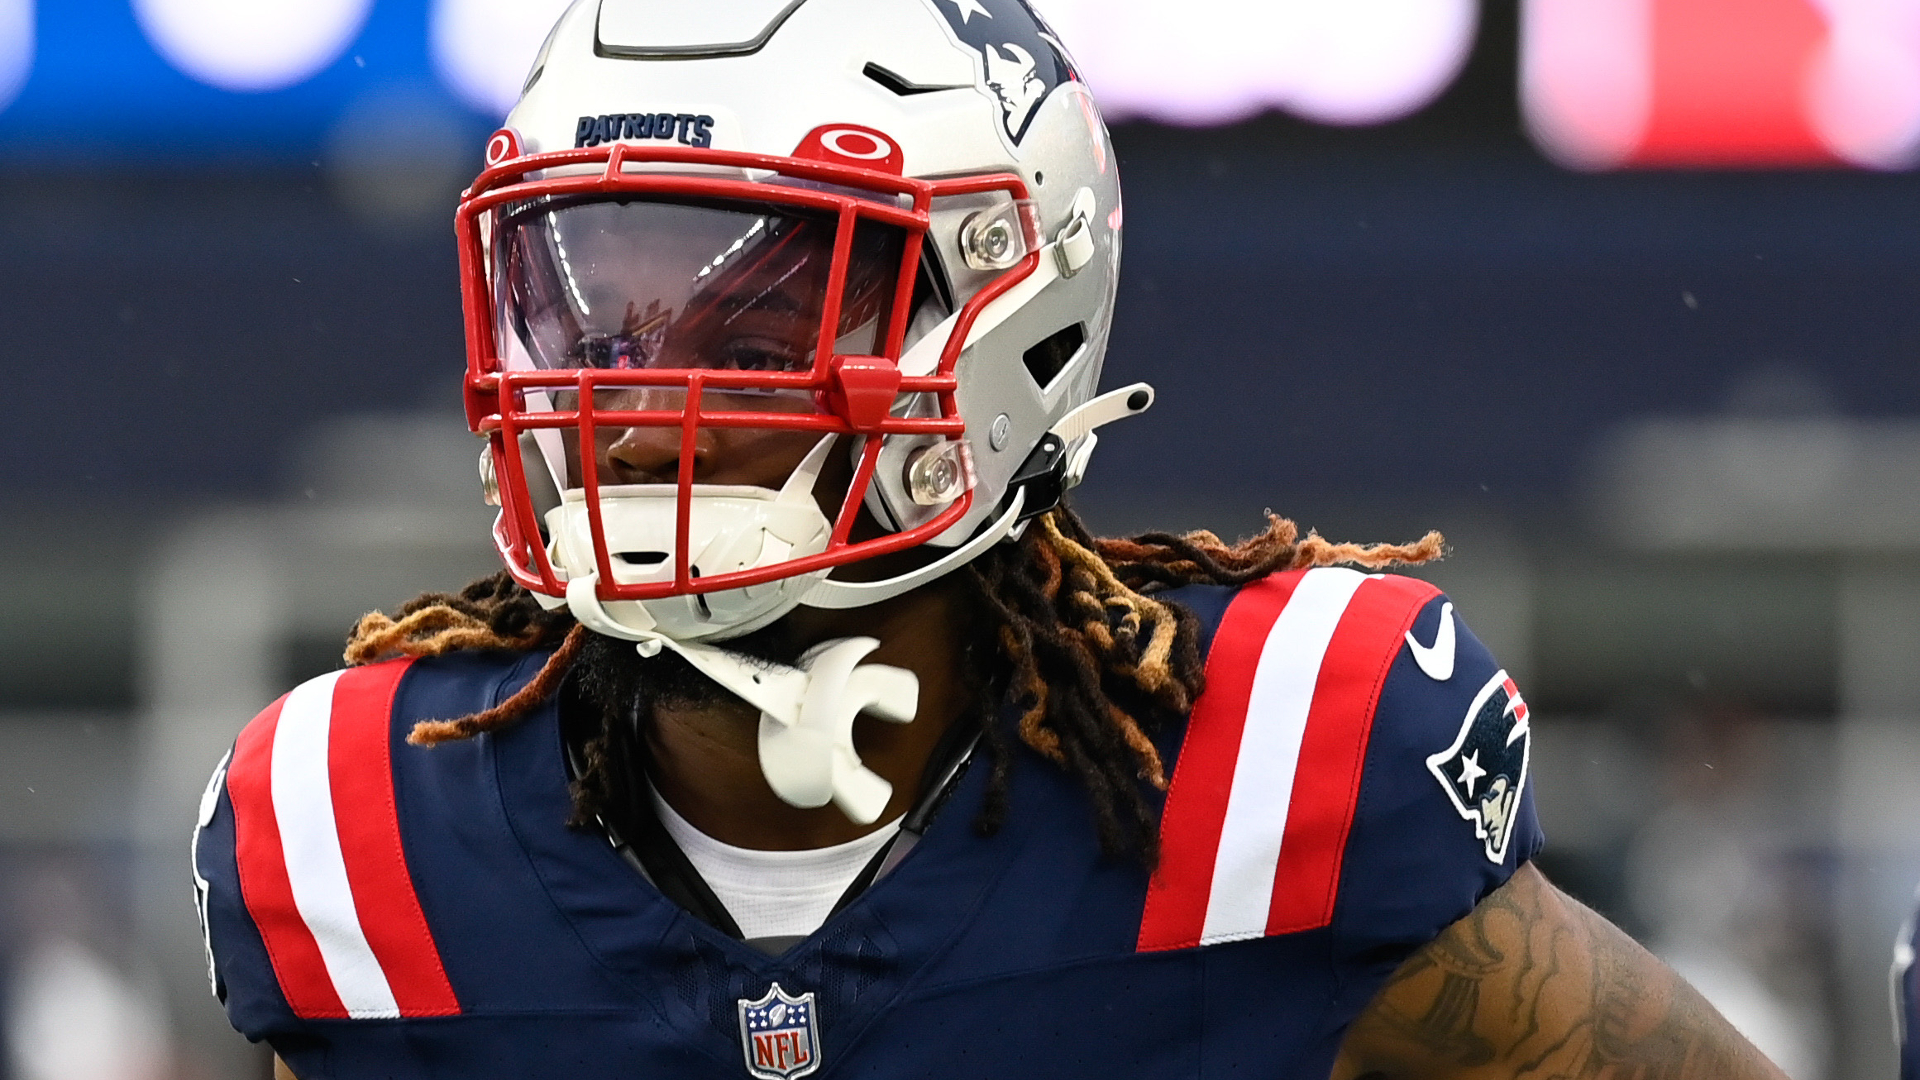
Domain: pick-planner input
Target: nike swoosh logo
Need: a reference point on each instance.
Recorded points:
(1436, 659)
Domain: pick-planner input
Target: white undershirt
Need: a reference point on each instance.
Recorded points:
(774, 893)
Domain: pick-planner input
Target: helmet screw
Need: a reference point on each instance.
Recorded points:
(935, 474)
(998, 434)
(991, 243)
(995, 241)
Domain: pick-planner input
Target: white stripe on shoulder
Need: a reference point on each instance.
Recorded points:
(1277, 708)
(310, 840)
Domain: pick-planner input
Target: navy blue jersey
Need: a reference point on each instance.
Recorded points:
(1906, 998)
(1353, 781)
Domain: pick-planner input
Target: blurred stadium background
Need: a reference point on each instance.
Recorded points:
(1623, 295)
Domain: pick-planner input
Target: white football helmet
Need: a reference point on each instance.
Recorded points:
(759, 289)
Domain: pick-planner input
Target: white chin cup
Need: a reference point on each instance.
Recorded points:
(806, 712)
(730, 529)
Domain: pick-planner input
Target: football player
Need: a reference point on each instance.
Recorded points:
(805, 730)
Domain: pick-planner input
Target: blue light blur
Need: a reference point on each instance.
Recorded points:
(98, 91)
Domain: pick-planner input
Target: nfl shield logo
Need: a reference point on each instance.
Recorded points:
(779, 1035)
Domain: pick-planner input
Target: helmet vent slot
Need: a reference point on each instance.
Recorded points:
(641, 558)
(669, 29)
(900, 84)
(1047, 359)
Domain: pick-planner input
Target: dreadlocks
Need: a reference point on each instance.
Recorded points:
(1093, 663)
(1097, 663)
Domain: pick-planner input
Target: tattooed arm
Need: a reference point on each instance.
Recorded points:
(1531, 984)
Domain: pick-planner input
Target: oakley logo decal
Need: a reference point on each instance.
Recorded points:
(504, 146)
(851, 144)
(856, 144)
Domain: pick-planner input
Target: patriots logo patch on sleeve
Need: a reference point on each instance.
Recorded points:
(1485, 770)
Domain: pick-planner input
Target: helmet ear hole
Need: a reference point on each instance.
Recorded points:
(931, 284)
(1047, 359)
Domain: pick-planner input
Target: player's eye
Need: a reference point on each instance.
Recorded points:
(617, 351)
(759, 354)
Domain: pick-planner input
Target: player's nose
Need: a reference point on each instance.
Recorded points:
(650, 454)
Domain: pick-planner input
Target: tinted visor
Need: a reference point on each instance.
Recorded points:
(632, 284)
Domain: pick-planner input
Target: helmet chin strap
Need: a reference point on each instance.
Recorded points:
(840, 595)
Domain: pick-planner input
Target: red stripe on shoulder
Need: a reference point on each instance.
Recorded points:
(1196, 807)
(264, 885)
(1333, 753)
(360, 771)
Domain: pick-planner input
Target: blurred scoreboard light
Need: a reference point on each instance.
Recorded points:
(191, 79)
(1723, 83)
(484, 50)
(251, 45)
(16, 46)
(1204, 62)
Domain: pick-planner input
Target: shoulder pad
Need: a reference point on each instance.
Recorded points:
(317, 843)
(1268, 776)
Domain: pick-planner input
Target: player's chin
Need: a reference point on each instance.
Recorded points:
(614, 672)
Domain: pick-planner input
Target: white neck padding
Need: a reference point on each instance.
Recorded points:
(774, 893)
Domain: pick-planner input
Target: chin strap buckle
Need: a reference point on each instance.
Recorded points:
(1073, 248)
(1042, 478)
(1056, 465)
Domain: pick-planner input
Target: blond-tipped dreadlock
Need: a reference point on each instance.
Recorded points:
(1091, 659)
(491, 613)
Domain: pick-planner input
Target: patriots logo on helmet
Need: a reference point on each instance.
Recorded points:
(1021, 59)
(1485, 770)
(779, 1035)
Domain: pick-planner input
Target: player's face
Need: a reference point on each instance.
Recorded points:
(768, 322)
(679, 288)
